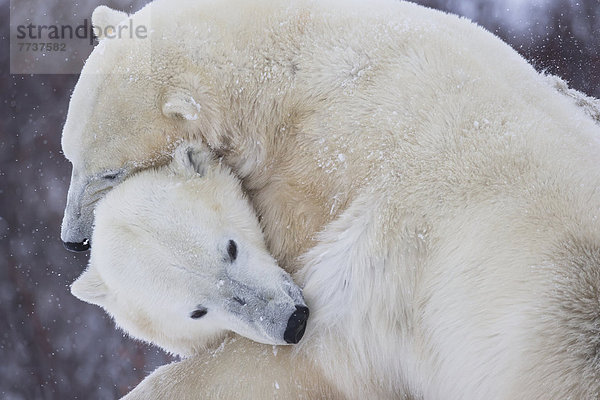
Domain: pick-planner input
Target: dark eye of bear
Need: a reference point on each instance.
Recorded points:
(199, 313)
(232, 250)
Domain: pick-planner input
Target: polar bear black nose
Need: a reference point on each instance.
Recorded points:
(77, 247)
(296, 325)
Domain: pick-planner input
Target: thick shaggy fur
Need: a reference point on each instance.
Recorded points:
(436, 196)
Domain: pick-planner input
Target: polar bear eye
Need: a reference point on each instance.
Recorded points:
(232, 250)
(199, 313)
(111, 176)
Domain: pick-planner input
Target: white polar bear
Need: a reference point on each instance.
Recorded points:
(179, 258)
(436, 195)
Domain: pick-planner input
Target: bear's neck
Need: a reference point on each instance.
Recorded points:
(277, 161)
(266, 134)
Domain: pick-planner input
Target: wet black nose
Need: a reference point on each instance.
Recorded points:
(296, 325)
(77, 247)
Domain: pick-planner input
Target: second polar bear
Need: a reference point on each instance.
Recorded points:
(179, 258)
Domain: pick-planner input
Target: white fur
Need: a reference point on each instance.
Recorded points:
(160, 254)
(436, 192)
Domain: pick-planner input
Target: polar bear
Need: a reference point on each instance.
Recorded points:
(435, 196)
(179, 258)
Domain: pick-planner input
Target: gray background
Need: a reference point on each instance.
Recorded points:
(52, 346)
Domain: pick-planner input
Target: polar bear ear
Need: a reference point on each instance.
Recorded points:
(180, 104)
(90, 287)
(193, 158)
(105, 21)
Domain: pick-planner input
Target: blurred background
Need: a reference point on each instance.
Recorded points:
(52, 346)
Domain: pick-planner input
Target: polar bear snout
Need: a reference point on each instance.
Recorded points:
(266, 307)
(296, 325)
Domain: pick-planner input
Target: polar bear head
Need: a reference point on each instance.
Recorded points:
(136, 97)
(179, 259)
